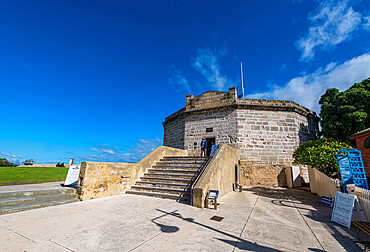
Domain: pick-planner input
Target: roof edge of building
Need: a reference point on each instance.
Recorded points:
(360, 133)
(257, 104)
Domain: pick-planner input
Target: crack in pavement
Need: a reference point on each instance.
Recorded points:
(317, 239)
(250, 214)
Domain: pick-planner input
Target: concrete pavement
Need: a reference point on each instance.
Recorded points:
(32, 187)
(257, 219)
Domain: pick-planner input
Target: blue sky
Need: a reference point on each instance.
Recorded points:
(94, 80)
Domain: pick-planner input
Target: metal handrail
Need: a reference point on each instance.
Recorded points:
(201, 172)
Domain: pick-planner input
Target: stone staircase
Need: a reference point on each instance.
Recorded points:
(171, 177)
(12, 202)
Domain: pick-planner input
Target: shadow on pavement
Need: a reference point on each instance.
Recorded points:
(312, 208)
(237, 242)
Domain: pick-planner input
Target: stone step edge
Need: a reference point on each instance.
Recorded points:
(36, 192)
(168, 179)
(4, 210)
(38, 197)
(176, 166)
(186, 191)
(160, 195)
(160, 183)
(151, 170)
(195, 157)
(181, 162)
(168, 174)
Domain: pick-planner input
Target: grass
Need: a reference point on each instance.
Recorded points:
(31, 175)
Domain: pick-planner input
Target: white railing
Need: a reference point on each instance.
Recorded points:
(363, 196)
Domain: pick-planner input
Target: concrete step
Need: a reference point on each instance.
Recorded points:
(11, 202)
(185, 157)
(166, 180)
(161, 190)
(163, 185)
(170, 171)
(16, 195)
(14, 209)
(180, 162)
(169, 175)
(19, 202)
(162, 195)
(176, 167)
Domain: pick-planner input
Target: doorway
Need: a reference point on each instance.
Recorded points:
(209, 141)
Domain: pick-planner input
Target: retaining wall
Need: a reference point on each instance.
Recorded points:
(101, 179)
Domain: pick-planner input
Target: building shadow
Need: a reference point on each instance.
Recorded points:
(315, 211)
(235, 241)
(307, 133)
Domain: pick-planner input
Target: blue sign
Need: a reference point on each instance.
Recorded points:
(351, 168)
(213, 194)
(327, 201)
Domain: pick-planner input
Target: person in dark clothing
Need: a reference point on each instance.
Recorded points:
(203, 148)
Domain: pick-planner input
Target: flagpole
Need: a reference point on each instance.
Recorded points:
(241, 70)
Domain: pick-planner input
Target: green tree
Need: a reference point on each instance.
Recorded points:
(321, 155)
(5, 162)
(347, 112)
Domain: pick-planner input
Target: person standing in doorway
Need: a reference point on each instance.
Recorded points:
(203, 147)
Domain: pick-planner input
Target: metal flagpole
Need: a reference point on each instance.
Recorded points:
(241, 70)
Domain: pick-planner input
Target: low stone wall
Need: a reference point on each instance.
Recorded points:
(260, 174)
(218, 175)
(101, 179)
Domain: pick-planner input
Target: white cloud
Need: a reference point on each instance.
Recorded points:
(16, 159)
(207, 63)
(110, 153)
(307, 89)
(333, 23)
(367, 23)
(178, 80)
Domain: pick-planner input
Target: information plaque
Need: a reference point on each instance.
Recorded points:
(72, 176)
(343, 207)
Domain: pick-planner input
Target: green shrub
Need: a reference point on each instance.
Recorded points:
(321, 155)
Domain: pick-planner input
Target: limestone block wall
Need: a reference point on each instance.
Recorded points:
(101, 179)
(271, 136)
(210, 99)
(174, 132)
(259, 174)
(223, 126)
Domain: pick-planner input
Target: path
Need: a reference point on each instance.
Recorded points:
(254, 220)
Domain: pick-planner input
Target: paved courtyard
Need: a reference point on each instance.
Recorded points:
(257, 219)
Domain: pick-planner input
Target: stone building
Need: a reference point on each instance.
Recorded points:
(265, 131)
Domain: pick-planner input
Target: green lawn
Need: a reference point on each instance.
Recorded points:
(31, 175)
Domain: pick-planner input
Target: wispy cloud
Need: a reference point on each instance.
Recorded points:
(333, 22)
(207, 63)
(177, 80)
(367, 23)
(16, 159)
(112, 153)
(307, 89)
